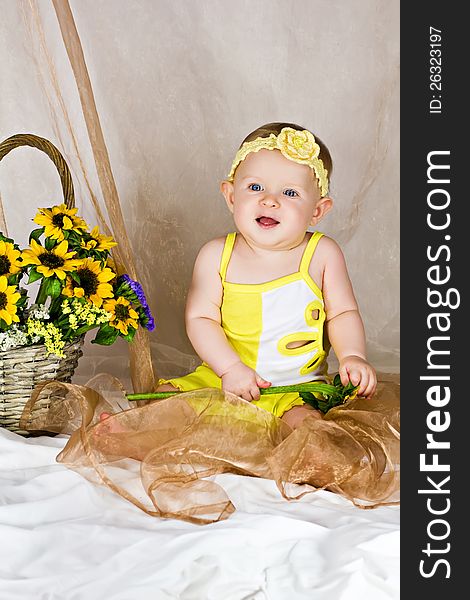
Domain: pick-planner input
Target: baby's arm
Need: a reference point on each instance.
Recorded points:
(343, 321)
(203, 325)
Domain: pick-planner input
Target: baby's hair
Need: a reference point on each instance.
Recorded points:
(266, 130)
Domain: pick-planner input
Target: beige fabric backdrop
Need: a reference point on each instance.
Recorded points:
(178, 84)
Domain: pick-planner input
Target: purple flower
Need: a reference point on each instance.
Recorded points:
(139, 292)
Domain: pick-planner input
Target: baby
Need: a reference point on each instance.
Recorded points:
(266, 302)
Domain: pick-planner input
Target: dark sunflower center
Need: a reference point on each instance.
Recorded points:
(58, 220)
(5, 264)
(88, 281)
(51, 260)
(3, 300)
(121, 312)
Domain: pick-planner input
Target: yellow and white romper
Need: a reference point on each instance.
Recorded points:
(261, 321)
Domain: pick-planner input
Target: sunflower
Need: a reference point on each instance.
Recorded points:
(98, 241)
(50, 262)
(58, 219)
(123, 315)
(8, 299)
(9, 263)
(93, 282)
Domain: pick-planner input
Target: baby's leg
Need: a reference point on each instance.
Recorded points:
(297, 414)
(115, 427)
(166, 387)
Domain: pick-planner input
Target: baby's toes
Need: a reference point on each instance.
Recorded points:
(108, 424)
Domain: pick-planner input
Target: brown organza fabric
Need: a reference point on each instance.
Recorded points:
(162, 456)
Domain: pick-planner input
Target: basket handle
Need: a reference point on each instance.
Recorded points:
(29, 139)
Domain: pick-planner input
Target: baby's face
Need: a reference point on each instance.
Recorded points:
(274, 200)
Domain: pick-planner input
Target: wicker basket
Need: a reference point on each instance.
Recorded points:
(22, 368)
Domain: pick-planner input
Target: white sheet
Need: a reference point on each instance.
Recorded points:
(62, 538)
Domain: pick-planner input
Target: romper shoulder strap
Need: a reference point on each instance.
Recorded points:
(308, 252)
(226, 254)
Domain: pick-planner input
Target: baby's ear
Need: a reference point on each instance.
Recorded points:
(226, 187)
(323, 206)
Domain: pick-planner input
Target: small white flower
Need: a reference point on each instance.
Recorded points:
(13, 338)
(39, 312)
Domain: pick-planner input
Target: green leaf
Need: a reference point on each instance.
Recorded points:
(84, 329)
(4, 326)
(52, 287)
(328, 396)
(55, 310)
(74, 237)
(34, 275)
(75, 276)
(36, 234)
(4, 238)
(130, 334)
(50, 243)
(23, 299)
(106, 335)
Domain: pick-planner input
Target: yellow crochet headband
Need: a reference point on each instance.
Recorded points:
(299, 146)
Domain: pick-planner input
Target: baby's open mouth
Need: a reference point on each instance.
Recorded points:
(267, 222)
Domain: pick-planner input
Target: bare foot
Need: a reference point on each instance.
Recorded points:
(296, 415)
(108, 424)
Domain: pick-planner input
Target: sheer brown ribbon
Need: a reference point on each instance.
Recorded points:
(162, 456)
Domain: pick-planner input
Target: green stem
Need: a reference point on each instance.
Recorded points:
(313, 386)
(42, 296)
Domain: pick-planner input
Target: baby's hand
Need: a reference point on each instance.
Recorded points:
(243, 381)
(359, 372)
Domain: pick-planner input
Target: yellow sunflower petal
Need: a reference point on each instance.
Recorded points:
(30, 258)
(61, 249)
(6, 316)
(14, 297)
(122, 327)
(35, 247)
(42, 219)
(59, 273)
(97, 300)
(105, 290)
(106, 275)
(66, 222)
(92, 265)
(46, 271)
(90, 245)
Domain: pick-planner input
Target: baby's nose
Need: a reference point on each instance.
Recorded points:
(269, 200)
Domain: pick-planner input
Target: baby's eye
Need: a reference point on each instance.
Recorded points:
(290, 193)
(255, 187)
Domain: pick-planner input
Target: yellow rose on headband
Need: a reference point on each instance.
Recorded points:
(297, 145)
